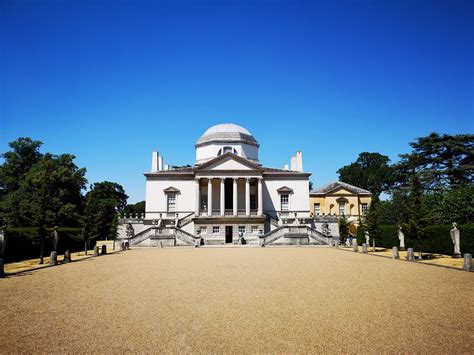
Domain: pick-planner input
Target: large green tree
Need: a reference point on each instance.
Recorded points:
(371, 171)
(103, 202)
(48, 193)
(23, 155)
(439, 160)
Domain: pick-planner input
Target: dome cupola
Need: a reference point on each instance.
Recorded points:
(226, 138)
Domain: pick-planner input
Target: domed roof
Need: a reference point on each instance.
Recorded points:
(226, 133)
(227, 128)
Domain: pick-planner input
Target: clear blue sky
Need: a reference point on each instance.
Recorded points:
(110, 81)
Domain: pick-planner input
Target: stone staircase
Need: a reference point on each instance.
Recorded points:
(295, 235)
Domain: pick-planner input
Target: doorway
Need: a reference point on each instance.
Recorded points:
(228, 234)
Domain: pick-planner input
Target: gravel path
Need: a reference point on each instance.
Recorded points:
(238, 300)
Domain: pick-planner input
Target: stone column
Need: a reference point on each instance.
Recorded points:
(260, 198)
(209, 197)
(234, 197)
(198, 199)
(222, 197)
(247, 196)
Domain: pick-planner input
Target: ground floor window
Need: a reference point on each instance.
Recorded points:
(285, 203)
(254, 229)
(365, 208)
(242, 229)
(216, 229)
(317, 209)
(203, 230)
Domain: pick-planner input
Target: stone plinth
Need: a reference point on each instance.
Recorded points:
(395, 254)
(53, 259)
(67, 257)
(468, 262)
(364, 248)
(410, 254)
(96, 250)
(355, 247)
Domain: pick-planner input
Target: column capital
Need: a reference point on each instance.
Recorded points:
(222, 179)
(247, 178)
(235, 179)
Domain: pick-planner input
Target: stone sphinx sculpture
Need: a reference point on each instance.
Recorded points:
(455, 238)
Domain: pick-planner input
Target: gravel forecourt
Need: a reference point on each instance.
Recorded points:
(238, 300)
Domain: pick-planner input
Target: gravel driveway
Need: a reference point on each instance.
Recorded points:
(238, 300)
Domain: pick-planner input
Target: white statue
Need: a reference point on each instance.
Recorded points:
(176, 221)
(455, 237)
(280, 221)
(367, 238)
(401, 237)
(296, 222)
(159, 223)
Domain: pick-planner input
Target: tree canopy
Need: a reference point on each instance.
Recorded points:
(371, 171)
(439, 160)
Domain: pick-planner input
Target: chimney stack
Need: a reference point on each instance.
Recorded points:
(160, 163)
(299, 161)
(293, 163)
(154, 161)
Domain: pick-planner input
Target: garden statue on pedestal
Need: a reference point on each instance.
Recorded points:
(3, 242)
(367, 237)
(455, 237)
(401, 237)
(176, 221)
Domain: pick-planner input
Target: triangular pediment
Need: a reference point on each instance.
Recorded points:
(229, 161)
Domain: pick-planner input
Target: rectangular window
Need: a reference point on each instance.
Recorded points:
(365, 208)
(254, 229)
(171, 202)
(317, 209)
(253, 202)
(203, 230)
(285, 205)
(216, 229)
(242, 229)
(342, 209)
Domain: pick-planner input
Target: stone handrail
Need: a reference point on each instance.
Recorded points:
(186, 219)
(287, 230)
(184, 236)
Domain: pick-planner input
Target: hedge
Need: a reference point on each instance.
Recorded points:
(438, 239)
(23, 243)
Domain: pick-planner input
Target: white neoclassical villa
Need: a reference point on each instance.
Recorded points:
(228, 196)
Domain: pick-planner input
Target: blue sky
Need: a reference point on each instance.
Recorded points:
(110, 81)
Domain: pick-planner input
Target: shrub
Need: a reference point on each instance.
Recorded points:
(23, 243)
(438, 239)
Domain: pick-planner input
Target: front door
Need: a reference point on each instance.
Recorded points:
(228, 234)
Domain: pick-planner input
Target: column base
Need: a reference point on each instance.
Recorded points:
(457, 256)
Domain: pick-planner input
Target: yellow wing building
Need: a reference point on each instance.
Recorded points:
(339, 198)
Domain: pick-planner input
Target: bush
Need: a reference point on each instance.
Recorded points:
(438, 239)
(23, 243)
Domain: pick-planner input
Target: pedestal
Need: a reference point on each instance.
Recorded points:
(53, 259)
(457, 256)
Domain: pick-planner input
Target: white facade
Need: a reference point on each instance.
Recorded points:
(227, 194)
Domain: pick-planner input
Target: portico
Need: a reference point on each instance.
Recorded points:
(215, 194)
